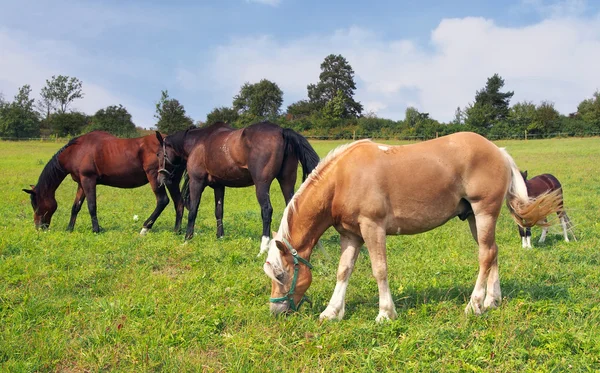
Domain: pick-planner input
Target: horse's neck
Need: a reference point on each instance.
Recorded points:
(52, 180)
(311, 216)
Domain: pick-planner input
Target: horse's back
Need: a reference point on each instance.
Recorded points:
(540, 184)
(109, 159)
(418, 187)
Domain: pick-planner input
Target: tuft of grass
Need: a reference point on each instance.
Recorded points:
(116, 301)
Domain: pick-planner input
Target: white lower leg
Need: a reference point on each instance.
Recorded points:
(563, 222)
(144, 231)
(493, 296)
(264, 245)
(387, 310)
(524, 242)
(336, 307)
(544, 234)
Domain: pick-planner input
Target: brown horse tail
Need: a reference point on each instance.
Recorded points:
(308, 157)
(526, 211)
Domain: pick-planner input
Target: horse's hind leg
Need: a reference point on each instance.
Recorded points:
(219, 200)
(79, 198)
(89, 188)
(483, 228)
(564, 222)
(350, 247)
(266, 212)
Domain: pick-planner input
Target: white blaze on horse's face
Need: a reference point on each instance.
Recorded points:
(275, 270)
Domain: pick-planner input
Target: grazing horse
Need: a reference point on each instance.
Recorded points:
(101, 158)
(220, 156)
(539, 185)
(367, 191)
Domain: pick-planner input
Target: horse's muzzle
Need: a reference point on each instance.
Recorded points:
(164, 177)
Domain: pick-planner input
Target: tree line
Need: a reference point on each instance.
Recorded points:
(330, 110)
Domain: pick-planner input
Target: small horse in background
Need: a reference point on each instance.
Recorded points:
(99, 158)
(220, 156)
(367, 191)
(537, 186)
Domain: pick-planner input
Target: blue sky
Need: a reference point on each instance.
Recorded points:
(432, 55)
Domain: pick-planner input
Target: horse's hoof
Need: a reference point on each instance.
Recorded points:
(144, 231)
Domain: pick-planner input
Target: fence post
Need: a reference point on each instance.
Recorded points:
(525, 135)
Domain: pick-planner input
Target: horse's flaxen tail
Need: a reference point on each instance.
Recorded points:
(526, 211)
(302, 149)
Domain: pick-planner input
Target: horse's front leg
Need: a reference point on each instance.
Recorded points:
(196, 187)
(89, 188)
(175, 193)
(375, 239)
(350, 247)
(219, 200)
(266, 212)
(161, 202)
(79, 198)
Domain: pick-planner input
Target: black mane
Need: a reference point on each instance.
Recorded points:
(53, 174)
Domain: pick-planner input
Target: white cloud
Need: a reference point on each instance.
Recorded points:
(265, 2)
(554, 60)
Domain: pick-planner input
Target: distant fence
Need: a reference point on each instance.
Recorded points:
(373, 135)
(391, 136)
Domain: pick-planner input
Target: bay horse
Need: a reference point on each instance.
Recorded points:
(539, 185)
(99, 158)
(367, 191)
(220, 156)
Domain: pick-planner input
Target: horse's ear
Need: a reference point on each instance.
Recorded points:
(29, 191)
(160, 138)
(281, 246)
(525, 174)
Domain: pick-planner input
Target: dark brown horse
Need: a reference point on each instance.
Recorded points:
(220, 156)
(536, 186)
(101, 158)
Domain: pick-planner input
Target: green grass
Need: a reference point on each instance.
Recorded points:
(115, 301)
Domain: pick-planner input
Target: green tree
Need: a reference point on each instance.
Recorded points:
(222, 114)
(59, 92)
(547, 118)
(490, 106)
(171, 115)
(259, 101)
(336, 75)
(300, 109)
(589, 111)
(114, 119)
(18, 119)
(336, 108)
(522, 117)
(68, 124)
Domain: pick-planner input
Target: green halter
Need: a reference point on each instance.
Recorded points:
(290, 294)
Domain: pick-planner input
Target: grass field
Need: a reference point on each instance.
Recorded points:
(115, 301)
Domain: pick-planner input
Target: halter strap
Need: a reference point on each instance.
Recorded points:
(290, 294)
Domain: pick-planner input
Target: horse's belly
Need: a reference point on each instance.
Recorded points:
(131, 180)
(415, 225)
(233, 179)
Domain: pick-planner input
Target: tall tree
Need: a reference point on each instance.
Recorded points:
(260, 100)
(18, 119)
(72, 123)
(171, 115)
(490, 106)
(59, 92)
(114, 119)
(336, 75)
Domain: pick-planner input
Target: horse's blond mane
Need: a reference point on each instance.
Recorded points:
(314, 178)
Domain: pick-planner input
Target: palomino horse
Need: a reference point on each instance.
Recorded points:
(537, 186)
(367, 191)
(220, 156)
(101, 158)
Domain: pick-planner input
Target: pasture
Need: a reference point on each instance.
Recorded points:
(116, 301)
